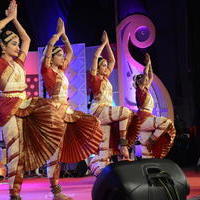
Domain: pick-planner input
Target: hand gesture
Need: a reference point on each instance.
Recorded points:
(147, 59)
(12, 10)
(60, 27)
(104, 37)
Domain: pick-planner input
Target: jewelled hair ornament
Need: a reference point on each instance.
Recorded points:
(10, 36)
(102, 60)
(56, 50)
(136, 78)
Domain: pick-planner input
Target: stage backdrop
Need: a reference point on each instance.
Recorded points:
(134, 35)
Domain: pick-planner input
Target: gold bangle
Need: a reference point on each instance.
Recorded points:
(65, 41)
(21, 51)
(55, 35)
(123, 142)
(50, 44)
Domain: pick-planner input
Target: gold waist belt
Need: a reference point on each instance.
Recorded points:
(21, 95)
(145, 109)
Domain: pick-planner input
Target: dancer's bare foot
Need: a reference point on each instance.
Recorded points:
(61, 196)
(58, 195)
(13, 197)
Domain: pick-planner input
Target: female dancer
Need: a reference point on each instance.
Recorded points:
(156, 134)
(82, 129)
(32, 129)
(102, 108)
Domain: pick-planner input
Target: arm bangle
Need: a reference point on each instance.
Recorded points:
(50, 44)
(123, 142)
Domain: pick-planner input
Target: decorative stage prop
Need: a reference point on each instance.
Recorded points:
(76, 74)
(152, 179)
(134, 34)
(33, 85)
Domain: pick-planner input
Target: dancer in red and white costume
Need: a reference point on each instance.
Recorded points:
(82, 131)
(156, 134)
(102, 108)
(32, 129)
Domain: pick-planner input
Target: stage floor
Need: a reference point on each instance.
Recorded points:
(78, 188)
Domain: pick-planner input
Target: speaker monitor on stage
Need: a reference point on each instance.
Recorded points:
(147, 179)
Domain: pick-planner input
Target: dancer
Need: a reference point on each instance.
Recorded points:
(32, 129)
(102, 108)
(83, 133)
(156, 134)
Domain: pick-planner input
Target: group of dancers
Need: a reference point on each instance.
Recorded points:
(38, 130)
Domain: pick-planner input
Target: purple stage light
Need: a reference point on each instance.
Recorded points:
(142, 33)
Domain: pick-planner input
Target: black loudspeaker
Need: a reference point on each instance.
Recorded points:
(146, 179)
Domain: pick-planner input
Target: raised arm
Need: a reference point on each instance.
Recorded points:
(97, 54)
(12, 10)
(9, 15)
(68, 50)
(5, 21)
(52, 42)
(111, 57)
(25, 40)
(148, 72)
